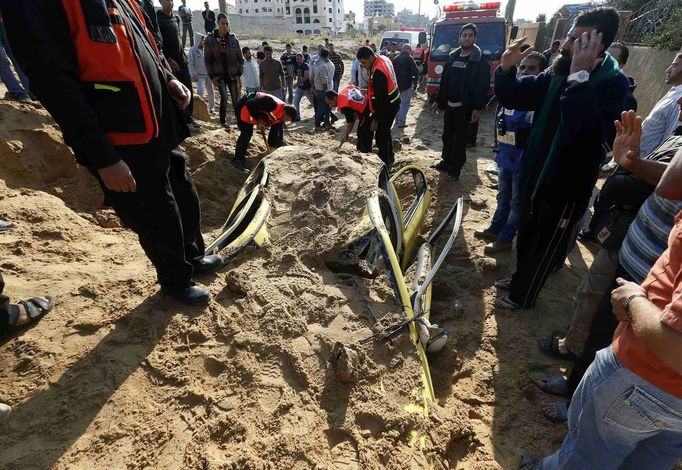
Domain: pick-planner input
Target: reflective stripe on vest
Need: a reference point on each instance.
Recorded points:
(384, 65)
(273, 117)
(351, 97)
(110, 67)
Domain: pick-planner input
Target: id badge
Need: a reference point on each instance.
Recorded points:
(507, 138)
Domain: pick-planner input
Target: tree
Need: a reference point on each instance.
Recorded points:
(668, 35)
(541, 18)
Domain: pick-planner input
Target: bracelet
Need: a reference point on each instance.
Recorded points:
(628, 301)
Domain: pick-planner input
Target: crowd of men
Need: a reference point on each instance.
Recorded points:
(562, 115)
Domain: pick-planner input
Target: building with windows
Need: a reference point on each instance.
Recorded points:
(378, 8)
(302, 16)
(408, 18)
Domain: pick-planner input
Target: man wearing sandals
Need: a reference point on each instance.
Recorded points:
(120, 110)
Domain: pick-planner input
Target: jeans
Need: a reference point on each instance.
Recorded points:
(276, 93)
(298, 96)
(322, 110)
(14, 88)
(508, 213)
(252, 89)
(225, 86)
(405, 97)
(617, 420)
(290, 89)
(187, 27)
(204, 82)
(337, 82)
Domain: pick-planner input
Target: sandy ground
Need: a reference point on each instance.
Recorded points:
(117, 376)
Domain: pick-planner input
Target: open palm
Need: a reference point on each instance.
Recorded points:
(628, 136)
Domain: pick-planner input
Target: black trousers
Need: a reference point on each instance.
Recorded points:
(601, 332)
(275, 136)
(455, 132)
(365, 135)
(547, 230)
(226, 86)
(4, 304)
(384, 139)
(186, 78)
(164, 212)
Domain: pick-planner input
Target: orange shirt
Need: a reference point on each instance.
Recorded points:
(663, 287)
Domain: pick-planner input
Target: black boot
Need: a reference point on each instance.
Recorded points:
(208, 264)
(190, 295)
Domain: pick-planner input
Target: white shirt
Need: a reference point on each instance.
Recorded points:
(661, 121)
(330, 74)
(250, 77)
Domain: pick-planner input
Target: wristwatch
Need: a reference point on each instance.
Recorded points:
(581, 76)
(627, 302)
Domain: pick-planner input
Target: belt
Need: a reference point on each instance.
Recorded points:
(452, 104)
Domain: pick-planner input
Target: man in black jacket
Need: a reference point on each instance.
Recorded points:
(406, 71)
(463, 91)
(146, 182)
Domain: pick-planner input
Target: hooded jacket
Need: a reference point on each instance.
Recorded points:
(197, 64)
(473, 87)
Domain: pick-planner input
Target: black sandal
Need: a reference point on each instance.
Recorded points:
(555, 385)
(550, 345)
(36, 308)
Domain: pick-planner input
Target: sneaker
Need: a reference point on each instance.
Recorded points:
(5, 411)
(240, 165)
(492, 169)
(208, 264)
(495, 247)
(402, 126)
(6, 226)
(485, 235)
(503, 283)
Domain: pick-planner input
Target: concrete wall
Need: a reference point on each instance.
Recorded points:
(647, 65)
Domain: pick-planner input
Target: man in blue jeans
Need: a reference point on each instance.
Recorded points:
(627, 410)
(513, 129)
(15, 90)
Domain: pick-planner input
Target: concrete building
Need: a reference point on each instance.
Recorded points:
(378, 8)
(302, 16)
(408, 18)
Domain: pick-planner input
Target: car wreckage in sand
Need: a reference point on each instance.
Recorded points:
(387, 231)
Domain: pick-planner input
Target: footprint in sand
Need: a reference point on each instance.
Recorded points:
(344, 451)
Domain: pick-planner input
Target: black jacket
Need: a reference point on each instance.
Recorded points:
(474, 86)
(405, 70)
(39, 34)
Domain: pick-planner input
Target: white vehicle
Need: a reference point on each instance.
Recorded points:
(403, 37)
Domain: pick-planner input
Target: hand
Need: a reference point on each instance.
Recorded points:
(586, 52)
(474, 117)
(513, 55)
(174, 65)
(626, 145)
(261, 128)
(374, 125)
(621, 293)
(180, 93)
(118, 177)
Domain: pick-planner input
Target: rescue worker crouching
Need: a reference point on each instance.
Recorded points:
(383, 100)
(352, 103)
(262, 110)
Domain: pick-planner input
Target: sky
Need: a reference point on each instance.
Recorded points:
(527, 9)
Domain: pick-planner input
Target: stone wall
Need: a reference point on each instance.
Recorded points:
(648, 65)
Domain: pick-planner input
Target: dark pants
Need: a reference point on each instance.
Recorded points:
(365, 135)
(455, 128)
(184, 76)
(164, 212)
(187, 27)
(275, 137)
(4, 304)
(337, 82)
(546, 232)
(600, 335)
(227, 85)
(383, 136)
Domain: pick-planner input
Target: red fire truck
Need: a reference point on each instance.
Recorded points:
(445, 37)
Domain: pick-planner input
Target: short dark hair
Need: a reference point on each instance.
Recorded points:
(539, 57)
(385, 42)
(394, 43)
(556, 42)
(222, 16)
(364, 53)
(264, 43)
(624, 51)
(324, 53)
(287, 45)
(260, 55)
(245, 50)
(267, 49)
(605, 20)
(330, 94)
(290, 111)
(330, 45)
(305, 47)
(470, 26)
(524, 47)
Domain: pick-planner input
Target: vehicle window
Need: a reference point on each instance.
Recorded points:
(490, 39)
